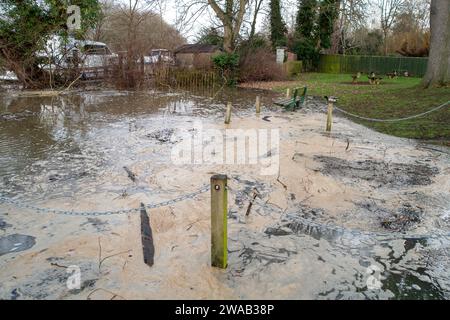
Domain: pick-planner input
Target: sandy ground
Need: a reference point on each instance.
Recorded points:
(369, 187)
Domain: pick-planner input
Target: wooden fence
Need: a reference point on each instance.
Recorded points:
(185, 79)
(416, 67)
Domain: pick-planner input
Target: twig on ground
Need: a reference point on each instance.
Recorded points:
(113, 255)
(189, 226)
(101, 260)
(278, 178)
(58, 265)
(114, 295)
(249, 208)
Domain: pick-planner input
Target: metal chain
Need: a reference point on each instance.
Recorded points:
(393, 120)
(296, 216)
(103, 213)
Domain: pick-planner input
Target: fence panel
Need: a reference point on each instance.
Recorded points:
(378, 64)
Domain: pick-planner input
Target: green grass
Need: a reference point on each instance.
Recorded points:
(393, 98)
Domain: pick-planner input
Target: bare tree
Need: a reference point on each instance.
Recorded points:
(352, 16)
(229, 13)
(389, 11)
(256, 8)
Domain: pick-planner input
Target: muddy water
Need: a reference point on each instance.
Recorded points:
(355, 214)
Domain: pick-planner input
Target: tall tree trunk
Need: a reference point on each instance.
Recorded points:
(228, 42)
(438, 70)
(337, 30)
(232, 21)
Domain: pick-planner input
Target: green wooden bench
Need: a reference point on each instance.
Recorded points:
(295, 102)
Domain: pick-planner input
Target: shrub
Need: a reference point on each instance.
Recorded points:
(293, 68)
(227, 63)
(306, 51)
(260, 65)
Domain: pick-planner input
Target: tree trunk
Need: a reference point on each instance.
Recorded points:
(228, 42)
(438, 70)
(337, 30)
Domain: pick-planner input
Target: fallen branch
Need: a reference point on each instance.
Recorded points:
(255, 194)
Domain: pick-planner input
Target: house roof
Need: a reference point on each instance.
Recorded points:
(197, 48)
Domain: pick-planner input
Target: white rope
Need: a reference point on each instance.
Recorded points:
(394, 120)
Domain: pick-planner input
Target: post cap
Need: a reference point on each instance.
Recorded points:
(331, 98)
(219, 177)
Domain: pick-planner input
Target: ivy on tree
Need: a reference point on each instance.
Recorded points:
(314, 27)
(277, 27)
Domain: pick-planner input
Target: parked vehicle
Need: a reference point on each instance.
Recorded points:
(89, 57)
(8, 76)
(162, 56)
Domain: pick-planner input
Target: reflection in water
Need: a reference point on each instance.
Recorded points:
(69, 146)
(74, 139)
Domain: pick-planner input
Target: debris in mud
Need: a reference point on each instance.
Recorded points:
(87, 284)
(244, 195)
(15, 294)
(163, 136)
(404, 219)
(309, 213)
(52, 283)
(130, 173)
(256, 252)
(390, 174)
(295, 225)
(98, 224)
(16, 243)
(278, 231)
(4, 225)
(262, 255)
(298, 156)
(54, 177)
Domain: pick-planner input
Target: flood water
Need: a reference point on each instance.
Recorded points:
(61, 150)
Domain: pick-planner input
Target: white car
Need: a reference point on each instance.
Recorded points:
(90, 57)
(161, 55)
(8, 76)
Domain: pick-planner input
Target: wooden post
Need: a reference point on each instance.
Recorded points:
(228, 114)
(288, 93)
(258, 104)
(219, 212)
(331, 101)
